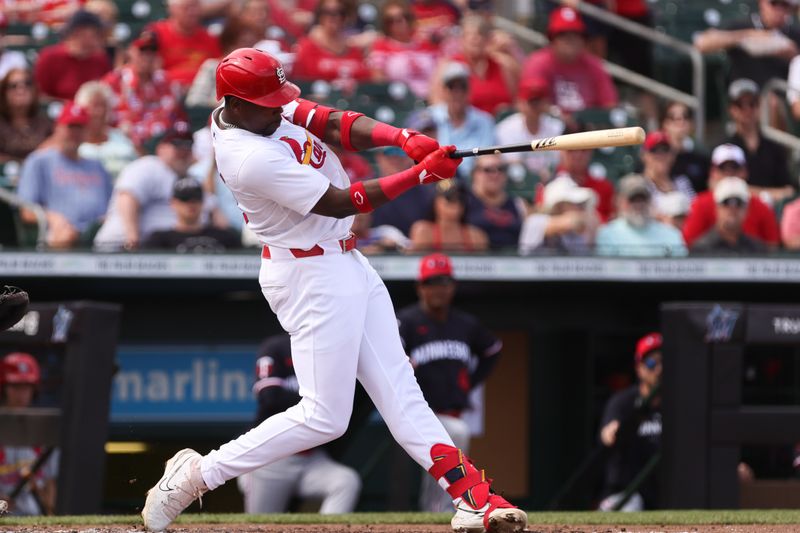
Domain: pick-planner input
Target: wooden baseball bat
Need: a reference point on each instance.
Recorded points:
(585, 140)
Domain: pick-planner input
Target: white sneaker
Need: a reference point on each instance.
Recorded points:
(506, 519)
(180, 485)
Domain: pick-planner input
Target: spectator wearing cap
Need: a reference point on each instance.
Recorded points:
(452, 354)
(490, 207)
(62, 68)
(674, 208)
(531, 121)
(576, 79)
(790, 225)
(767, 161)
(190, 234)
(411, 206)
(631, 429)
(73, 191)
(760, 45)
(376, 239)
(399, 54)
(236, 33)
(447, 228)
(110, 146)
(436, 19)
(184, 43)
(677, 123)
(457, 121)
(325, 54)
(658, 158)
(729, 160)
(493, 69)
(731, 197)
(141, 201)
(146, 102)
(635, 232)
(566, 224)
(23, 126)
(9, 59)
(575, 164)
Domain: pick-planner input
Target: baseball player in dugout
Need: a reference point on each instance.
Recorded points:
(451, 354)
(307, 474)
(271, 151)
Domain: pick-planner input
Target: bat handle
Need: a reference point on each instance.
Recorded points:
(458, 154)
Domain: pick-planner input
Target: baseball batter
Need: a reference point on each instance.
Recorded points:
(271, 151)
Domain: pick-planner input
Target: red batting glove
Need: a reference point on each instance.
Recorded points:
(416, 145)
(438, 165)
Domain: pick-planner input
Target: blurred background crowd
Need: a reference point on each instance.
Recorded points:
(104, 138)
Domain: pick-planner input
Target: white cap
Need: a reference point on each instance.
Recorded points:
(455, 70)
(742, 86)
(731, 187)
(563, 189)
(727, 152)
(674, 204)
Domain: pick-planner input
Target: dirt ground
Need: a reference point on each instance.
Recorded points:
(388, 528)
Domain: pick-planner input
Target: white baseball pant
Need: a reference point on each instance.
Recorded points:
(308, 475)
(342, 325)
(432, 497)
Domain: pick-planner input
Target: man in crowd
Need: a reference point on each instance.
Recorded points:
(142, 194)
(731, 197)
(73, 191)
(309, 474)
(728, 160)
(635, 232)
(190, 234)
(452, 354)
(767, 162)
(631, 428)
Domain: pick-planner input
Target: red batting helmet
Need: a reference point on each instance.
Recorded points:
(255, 76)
(19, 367)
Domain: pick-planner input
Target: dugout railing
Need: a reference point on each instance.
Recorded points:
(704, 418)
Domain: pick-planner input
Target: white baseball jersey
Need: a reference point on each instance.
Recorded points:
(277, 179)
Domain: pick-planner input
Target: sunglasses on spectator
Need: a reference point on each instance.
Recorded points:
(405, 17)
(639, 197)
(660, 149)
(781, 3)
(651, 363)
(679, 116)
(491, 169)
(730, 166)
(733, 202)
(456, 85)
(27, 84)
(333, 12)
(746, 103)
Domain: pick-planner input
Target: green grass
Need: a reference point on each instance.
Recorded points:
(576, 518)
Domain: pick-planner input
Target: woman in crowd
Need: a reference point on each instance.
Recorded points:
(324, 54)
(23, 126)
(489, 206)
(103, 143)
(677, 122)
(447, 229)
(398, 55)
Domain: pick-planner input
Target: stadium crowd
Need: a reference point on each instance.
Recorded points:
(104, 135)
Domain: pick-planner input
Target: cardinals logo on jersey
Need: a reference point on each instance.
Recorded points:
(311, 153)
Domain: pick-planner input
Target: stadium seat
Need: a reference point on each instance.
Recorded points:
(521, 182)
(198, 116)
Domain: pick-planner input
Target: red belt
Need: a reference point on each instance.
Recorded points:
(345, 244)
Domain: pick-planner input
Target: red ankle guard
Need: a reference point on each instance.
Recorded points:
(466, 481)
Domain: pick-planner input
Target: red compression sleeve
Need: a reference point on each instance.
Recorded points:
(319, 117)
(385, 135)
(348, 117)
(396, 184)
(358, 195)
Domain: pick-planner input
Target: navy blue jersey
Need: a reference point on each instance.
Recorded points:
(449, 358)
(276, 387)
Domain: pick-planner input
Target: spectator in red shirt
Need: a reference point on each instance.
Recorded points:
(728, 160)
(147, 103)
(324, 54)
(577, 78)
(436, 19)
(398, 55)
(62, 68)
(183, 41)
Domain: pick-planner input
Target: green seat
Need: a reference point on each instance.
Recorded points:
(599, 118)
(614, 163)
(522, 182)
(198, 116)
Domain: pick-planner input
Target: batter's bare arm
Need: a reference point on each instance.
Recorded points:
(364, 196)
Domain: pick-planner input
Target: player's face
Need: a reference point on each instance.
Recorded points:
(437, 292)
(259, 120)
(649, 370)
(19, 394)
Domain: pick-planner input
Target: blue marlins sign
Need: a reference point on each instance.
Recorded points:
(184, 384)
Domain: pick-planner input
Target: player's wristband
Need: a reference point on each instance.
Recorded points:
(396, 184)
(358, 195)
(348, 117)
(385, 135)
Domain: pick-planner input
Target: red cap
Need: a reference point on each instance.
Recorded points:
(563, 20)
(19, 367)
(533, 88)
(147, 40)
(72, 113)
(655, 138)
(434, 265)
(647, 344)
(3, 21)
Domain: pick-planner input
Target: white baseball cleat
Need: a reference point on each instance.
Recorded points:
(497, 516)
(180, 485)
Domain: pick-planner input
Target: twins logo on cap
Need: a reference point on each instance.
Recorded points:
(281, 75)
